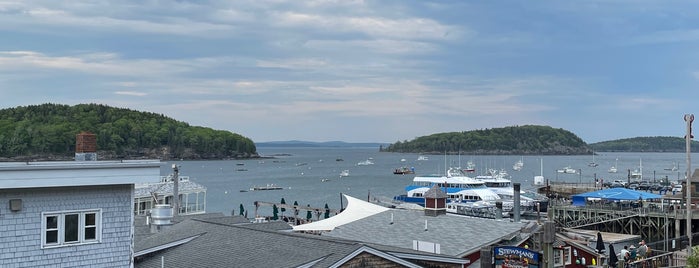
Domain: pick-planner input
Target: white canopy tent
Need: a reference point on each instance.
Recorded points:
(356, 209)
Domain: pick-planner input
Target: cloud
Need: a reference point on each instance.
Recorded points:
(131, 93)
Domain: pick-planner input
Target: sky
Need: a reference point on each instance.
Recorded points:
(362, 71)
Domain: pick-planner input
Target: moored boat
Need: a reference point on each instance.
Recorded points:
(404, 170)
(266, 187)
(457, 186)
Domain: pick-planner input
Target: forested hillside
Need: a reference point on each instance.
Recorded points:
(645, 144)
(48, 131)
(528, 139)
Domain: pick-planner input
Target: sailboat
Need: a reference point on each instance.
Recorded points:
(539, 180)
(638, 173)
(673, 168)
(593, 163)
(519, 164)
(612, 169)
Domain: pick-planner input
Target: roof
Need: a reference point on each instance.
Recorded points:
(356, 210)
(211, 243)
(77, 173)
(457, 235)
(618, 194)
(435, 192)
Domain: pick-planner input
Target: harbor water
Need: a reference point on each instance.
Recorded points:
(311, 176)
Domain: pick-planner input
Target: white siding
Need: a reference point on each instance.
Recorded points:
(20, 232)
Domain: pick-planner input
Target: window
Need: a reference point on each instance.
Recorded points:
(561, 257)
(65, 228)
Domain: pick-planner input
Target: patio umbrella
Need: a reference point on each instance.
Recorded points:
(327, 211)
(242, 210)
(283, 202)
(275, 211)
(613, 259)
(309, 215)
(600, 243)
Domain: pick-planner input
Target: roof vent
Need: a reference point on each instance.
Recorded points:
(161, 216)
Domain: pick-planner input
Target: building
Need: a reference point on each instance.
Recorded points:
(70, 214)
(192, 195)
(232, 241)
(449, 235)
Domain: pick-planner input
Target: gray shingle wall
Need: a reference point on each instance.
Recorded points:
(20, 232)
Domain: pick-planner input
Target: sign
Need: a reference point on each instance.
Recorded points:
(516, 257)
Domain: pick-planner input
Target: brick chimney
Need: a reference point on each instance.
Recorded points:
(85, 147)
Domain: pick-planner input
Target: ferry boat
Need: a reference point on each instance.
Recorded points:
(502, 186)
(457, 186)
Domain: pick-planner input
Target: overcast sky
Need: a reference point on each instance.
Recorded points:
(362, 71)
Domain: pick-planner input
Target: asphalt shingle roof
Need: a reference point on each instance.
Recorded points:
(219, 244)
(456, 235)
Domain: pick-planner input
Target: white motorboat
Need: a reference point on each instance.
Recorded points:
(567, 170)
(345, 173)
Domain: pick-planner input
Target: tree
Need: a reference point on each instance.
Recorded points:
(693, 260)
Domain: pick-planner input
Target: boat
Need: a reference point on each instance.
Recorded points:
(567, 170)
(404, 170)
(457, 186)
(241, 169)
(422, 158)
(673, 168)
(638, 173)
(593, 163)
(539, 180)
(365, 163)
(266, 187)
(324, 180)
(470, 167)
(518, 165)
(339, 159)
(403, 160)
(612, 169)
(501, 185)
(344, 173)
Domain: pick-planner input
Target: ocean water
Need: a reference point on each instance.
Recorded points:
(300, 172)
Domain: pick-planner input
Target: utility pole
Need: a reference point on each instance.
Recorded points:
(689, 118)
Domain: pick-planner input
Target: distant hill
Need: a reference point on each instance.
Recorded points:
(645, 144)
(297, 143)
(520, 140)
(48, 131)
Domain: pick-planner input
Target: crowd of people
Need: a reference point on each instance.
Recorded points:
(630, 254)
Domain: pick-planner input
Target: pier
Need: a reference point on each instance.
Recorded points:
(663, 224)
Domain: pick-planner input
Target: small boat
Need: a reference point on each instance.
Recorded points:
(518, 165)
(339, 159)
(612, 169)
(403, 160)
(324, 180)
(593, 163)
(239, 164)
(673, 168)
(344, 173)
(242, 169)
(470, 167)
(266, 187)
(567, 170)
(403, 171)
(365, 163)
(422, 158)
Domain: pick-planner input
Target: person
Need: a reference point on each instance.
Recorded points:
(624, 256)
(642, 249)
(632, 253)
